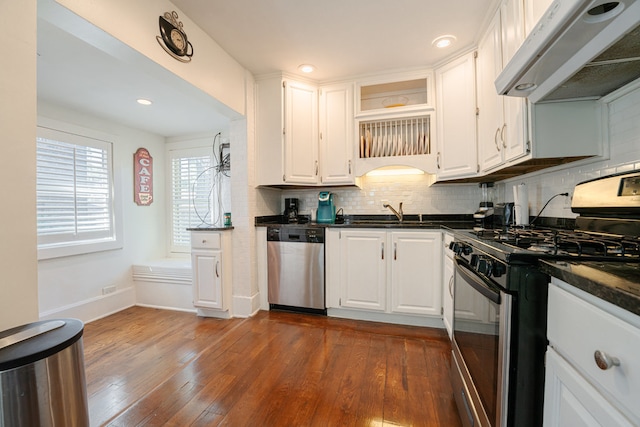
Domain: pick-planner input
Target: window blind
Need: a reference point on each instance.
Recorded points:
(192, 195)
(74, 189)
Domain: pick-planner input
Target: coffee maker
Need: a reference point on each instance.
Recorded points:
(326, 209)
(483, 217)
(291, 210)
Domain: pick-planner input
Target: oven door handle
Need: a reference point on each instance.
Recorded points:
(476, 282)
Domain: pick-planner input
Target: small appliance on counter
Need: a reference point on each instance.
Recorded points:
(291, 210)
(483, 217)
(326, 209)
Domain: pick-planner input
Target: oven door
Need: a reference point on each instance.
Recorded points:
(481, 332)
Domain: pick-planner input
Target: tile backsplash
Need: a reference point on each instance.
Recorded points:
(413, 191)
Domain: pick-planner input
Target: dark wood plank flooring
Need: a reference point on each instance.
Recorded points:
(148, 367)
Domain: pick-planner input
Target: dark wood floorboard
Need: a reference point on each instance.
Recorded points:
(149, 367)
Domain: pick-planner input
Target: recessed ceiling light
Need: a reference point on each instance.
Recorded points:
(142, 101)
(307, 68)
(443, 41)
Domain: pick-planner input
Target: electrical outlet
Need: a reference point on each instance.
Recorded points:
(108, 289)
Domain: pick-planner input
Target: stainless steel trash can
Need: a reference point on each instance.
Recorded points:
(42, 380)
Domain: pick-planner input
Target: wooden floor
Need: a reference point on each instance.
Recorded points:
(148, 367)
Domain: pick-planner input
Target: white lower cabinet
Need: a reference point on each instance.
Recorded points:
(392, 272)
(447, 283)
(363, 272)
(578, 391)
(211, 269)
(570, 400)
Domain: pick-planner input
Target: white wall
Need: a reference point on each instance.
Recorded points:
(72, 286)
(18, 267)
(135, 23)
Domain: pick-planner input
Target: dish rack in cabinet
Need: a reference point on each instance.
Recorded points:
(401, 141)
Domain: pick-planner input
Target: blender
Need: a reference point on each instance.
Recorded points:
(483, 217)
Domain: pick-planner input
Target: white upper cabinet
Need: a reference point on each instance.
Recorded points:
(286, 132)
(301, 164)
(533, 11)
(457, 155)
(395, 122)
(304, 135)
(502, 125)
(336, 134)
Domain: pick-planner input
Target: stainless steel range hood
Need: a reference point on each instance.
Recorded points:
(579, 49)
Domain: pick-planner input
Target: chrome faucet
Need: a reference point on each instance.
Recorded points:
(397, 213)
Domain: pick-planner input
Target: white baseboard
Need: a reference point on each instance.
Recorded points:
(164, 307)
(246, 306)
(94, 308)
(400, 319)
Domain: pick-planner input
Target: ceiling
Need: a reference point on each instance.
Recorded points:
(341, 38)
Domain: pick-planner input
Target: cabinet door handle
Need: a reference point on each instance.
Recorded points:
(349, 167)
(382, 250)
(495, 139)
(604, 361)
(504, 141)
(395, 251)
(451, 286)
(438, 160)
(217, 272)
(316, 168)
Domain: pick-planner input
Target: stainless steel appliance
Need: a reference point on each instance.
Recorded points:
(500, 299)
(578, 49)
(296, 268)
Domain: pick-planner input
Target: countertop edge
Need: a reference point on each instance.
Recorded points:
(587, 277)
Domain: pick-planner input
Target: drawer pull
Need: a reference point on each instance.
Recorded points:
(204, 241)
(604, 361)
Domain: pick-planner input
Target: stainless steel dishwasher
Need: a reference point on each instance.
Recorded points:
(296, 268)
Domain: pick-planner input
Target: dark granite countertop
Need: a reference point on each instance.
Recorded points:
(414, 221)
(615, 282)
(208, 228)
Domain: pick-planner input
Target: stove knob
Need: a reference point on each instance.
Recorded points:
(484, 266)
(498, 269)
(474, 260)
(467, 250)
(453, 245)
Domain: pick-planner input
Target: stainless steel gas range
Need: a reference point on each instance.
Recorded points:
(500, 299)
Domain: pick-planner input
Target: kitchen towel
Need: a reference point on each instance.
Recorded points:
(521, 204)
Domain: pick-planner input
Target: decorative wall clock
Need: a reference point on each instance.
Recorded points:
(173, 39)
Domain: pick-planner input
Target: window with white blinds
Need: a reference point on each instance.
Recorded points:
(74, 190)
(192, 194)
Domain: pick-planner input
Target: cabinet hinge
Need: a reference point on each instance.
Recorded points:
(528, 147)
(478, 168)
(442, 310)
(320, 136)
(340, 302)
(477, 111)
(284, 178)
(475, 54)
(284, 84)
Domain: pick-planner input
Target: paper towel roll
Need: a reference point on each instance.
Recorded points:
(521, 204)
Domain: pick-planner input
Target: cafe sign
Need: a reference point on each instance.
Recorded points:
(142, 177)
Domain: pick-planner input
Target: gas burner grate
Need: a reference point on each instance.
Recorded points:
(578, 244)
